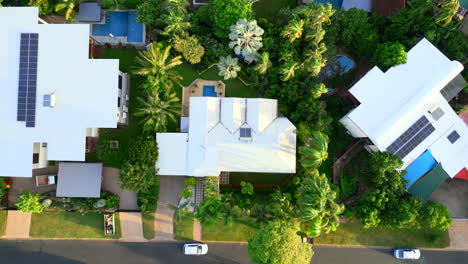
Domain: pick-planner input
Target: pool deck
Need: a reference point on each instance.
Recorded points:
(196, 89)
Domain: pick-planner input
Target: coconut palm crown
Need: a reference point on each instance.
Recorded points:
(228, 67)
(246, 39)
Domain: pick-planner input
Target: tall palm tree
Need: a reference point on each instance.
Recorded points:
(157, 109)
(155, 61)
(263, 63)
(316, 204)
(288, 70)
(69, 6)
(315, 150)
(246, 39)
(293, 30)
(228, 67)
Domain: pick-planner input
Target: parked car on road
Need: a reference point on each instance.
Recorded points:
(195, 249)
(407, 253)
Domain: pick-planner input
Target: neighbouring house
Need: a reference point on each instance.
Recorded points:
(53, 95)
(229, 135)
(387, 8)
(406, 111)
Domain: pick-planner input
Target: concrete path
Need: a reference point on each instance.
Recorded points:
(110, 183)
(132, 227)
(458, 233)
(453, 193)
(197, 230)
(169, 188)
(18, 225)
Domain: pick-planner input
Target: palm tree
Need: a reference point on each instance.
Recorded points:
(155, 61)
(314, 64)
(180, 6)
(316, 204)
(318, 89)
(445, 10)
(263, 63)
(69, 6)
(293, 30)
(315, 150)
(288, 70)
(177, 24)
(246, 39)
(228, 67)
(157, 109)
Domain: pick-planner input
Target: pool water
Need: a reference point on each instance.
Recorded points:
(340, 65)
(335, 3)
(120, 24)
(209, 90)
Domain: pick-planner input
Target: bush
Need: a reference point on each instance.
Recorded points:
(190, 182)
(2, 184)
(186, 193)
(136, 177)
(112, 201)
(390, 54)
(225, 13)
(348, 185)
(143, 150)
(211, 186)
(148, 198)
(435, 215)
(190, 48)
(29, 202)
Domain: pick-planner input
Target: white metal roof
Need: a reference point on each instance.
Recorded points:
(392, 101)
(213, 139)
(86, 91)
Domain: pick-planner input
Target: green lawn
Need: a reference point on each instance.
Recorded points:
(148, 224)
(3, 221)
(241, 230)
(269, 8)
(71, 225)
(183, 228)
(355, 234)
(258, 178)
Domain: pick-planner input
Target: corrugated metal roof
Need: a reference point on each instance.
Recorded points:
(425, 186)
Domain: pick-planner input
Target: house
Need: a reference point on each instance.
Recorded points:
(53, 95)
(405, 111)
(226, 134)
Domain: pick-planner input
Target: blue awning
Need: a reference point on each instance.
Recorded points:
(419, 167)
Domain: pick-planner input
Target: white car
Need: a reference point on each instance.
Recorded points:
(407, 253)
(195, 249)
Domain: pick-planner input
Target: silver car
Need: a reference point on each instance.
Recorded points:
(407, 253)
(195, 249)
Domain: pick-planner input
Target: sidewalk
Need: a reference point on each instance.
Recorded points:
(18, 225)
(458, 234)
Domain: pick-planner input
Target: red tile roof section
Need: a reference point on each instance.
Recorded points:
(462, 174)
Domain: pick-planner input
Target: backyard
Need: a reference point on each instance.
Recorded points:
(3, 221)
(71, 225)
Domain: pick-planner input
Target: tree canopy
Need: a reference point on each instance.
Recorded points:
(390, 54)
(225, 13)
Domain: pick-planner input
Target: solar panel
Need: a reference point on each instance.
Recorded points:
(411, 138)
(27, 79)
(454, 136)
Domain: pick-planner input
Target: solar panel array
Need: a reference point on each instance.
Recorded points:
(27, 79)
(454, 136)
(411, 138)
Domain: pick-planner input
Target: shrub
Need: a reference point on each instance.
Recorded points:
(225, 13)
(190, 48)
(348, 185)
(211, 186)
(435, 215)
(143, 150)
(186, 193)
(148, 198)
(112, 201)
(136, 177)
(390, 54)
(190, 182)
(29, 202)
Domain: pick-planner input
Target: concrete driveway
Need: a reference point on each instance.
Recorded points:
(110, 183)
(453, 193)
(169, 188)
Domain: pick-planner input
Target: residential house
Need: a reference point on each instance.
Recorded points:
(406, 111)
(53, 95)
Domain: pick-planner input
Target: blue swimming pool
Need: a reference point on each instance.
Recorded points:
(120, 24)
(209, 90)
(340, 65)
(335, 3)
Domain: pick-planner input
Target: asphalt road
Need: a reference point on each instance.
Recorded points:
(78, 252)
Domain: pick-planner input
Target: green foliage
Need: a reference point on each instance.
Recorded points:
(29, 202)
(46, 7)
(435, 215)
(149, 12)
(228, 67)
(278, 243)
(314, 151)
(186, 193)
(136, 177)
(316, 205)
(190, 182)
(2, 184)
(147, 198)
(190, 48)
(143, 150)
(246, 39)
(348, 185)
(104, 152)
(47, 203)
(225, 13)
(112, 201)
(390, 54)
(278, 207)
(211, 186)
(247, 188)
(69, 7)
(214, 49)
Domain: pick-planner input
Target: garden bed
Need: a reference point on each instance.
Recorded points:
(242, 229)
(3, 221)
(71, 225)
(183, 227)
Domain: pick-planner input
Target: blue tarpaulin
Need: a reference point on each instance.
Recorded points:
(419, 167)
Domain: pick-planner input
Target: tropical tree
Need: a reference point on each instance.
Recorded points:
(390, 54)
(45, 6)
(29, 202)
(436, 215)
(314, 64)
(293, 30)
(263, 63)
(157, 110)
(444, 11)
(288, 70)
(315, 150)
(177, 23)
(155, 61)
(246, 39)
(318, 89)
(228, 67)
(136, 177)
(316, 205)
(224, 13)
(69, 7)
(190, 48)
(278, 243)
